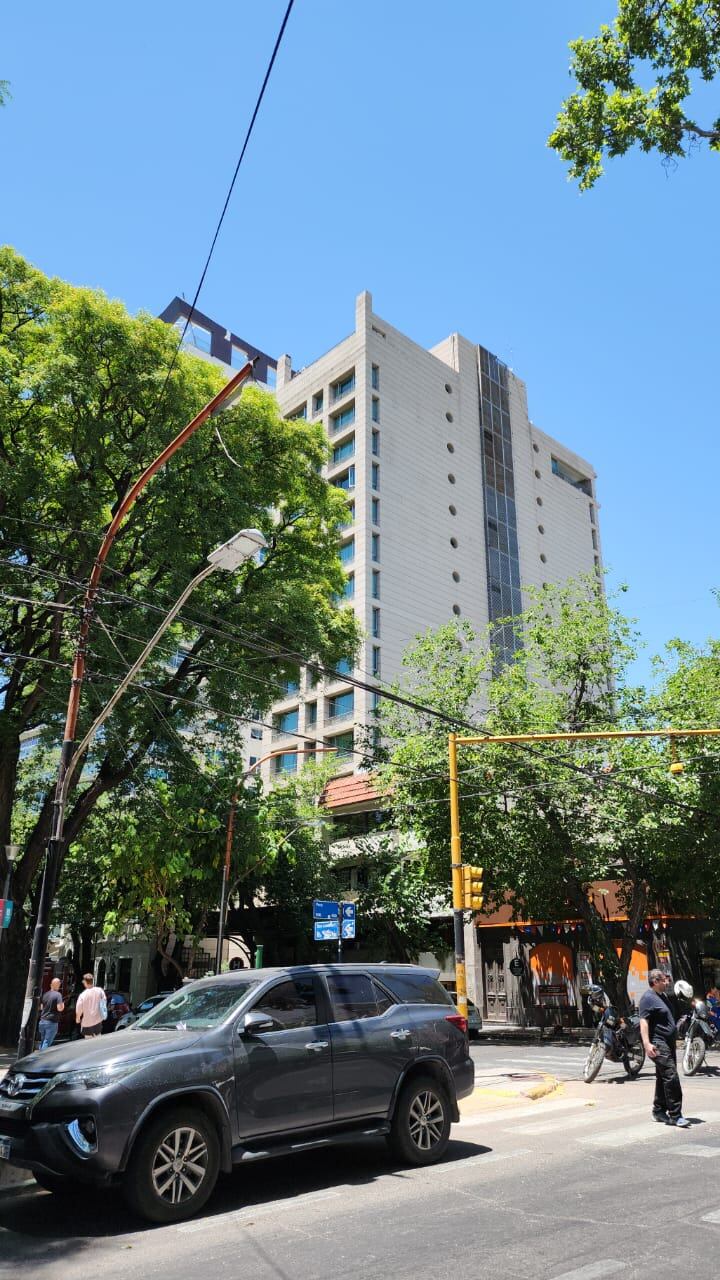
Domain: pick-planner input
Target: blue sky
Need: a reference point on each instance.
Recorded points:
(400, 149)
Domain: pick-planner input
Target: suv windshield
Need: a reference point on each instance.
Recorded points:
(195, 1008)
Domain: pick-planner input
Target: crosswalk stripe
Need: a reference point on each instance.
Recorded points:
(646, 1132)
(696, 1149)
(518, 1113)
(594, 1270)
(571, 1122)
(451, 1166)
(711, 1217)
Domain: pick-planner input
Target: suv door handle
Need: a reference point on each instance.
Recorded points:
(403, 1034)
(317, 1046)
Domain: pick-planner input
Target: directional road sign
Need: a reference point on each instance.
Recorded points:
(327, 930)
(348, 928)
(348, 910)
(325, 910)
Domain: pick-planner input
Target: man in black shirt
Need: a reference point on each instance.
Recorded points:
(51, 1007)
(658, 1031)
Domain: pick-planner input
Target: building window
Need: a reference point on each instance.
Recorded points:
(343, 667)
(375, 544)
(374, 700)
(343, 704)
(570, 475)
(345, 418)
(253, 760)
(376, 443)
(343, 744)
(310, 714)
(375, 409)
(376, 623)
(592, 513)
(349, 591)
(376, 475)
(375, 377)
(376, 584)
(256, 731)
(594, 539)
(300, 412)
(287, 722)
(286, 762)
(271, 377)
(346, 479)
(291, 684)
(238, 357)
(376, 661)
(317, 403)
(347, 552)
(375, 510)
(197, 335)
(343, 386)
(344, 450)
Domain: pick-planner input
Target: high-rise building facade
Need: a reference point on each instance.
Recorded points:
(456, 502)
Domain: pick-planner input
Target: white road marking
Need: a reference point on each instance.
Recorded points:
(518, 1113)
(247, 1215)
(594, 1270)
(571, 1122)
(646, 1132)
(452, 1166)
(695, 1150)
(711, 1217)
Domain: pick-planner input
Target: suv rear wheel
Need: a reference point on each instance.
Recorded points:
(420, 1129)
(174, 1166)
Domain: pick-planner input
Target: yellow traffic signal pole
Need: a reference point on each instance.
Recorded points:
(457, 881)
(455, 838)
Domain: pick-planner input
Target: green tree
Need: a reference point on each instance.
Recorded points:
(634, 80)
(548, 820)
(88, 396)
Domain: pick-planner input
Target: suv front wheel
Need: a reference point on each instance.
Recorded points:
(174, 1166)
(420, 1129)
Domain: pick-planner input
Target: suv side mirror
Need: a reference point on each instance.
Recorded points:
(255, 1022)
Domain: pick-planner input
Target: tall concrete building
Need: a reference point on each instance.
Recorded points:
(456, 502)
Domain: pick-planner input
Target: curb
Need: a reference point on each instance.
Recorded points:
(487, 1097)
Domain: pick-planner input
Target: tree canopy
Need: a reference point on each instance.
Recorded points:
(88, 396)
(634, 81)
(548, 820)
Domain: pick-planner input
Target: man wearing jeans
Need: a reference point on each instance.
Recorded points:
(51, 1007)
(658, 1031)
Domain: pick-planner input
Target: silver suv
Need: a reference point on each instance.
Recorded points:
(237, 1068)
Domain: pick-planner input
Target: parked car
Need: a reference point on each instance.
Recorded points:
(118, 1006)
(145, 1006)
(474, 1016)
(237, 1067)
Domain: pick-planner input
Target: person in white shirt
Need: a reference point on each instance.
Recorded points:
(90, 1008)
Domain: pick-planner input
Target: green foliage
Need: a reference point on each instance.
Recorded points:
(634, 80)
(547, 820)
(89, 395)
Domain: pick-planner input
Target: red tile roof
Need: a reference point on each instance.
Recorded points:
(356, 789)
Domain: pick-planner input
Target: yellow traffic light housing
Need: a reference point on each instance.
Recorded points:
(676, 765)
(472, 879)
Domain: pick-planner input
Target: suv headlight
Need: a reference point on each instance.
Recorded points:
(98, 1077)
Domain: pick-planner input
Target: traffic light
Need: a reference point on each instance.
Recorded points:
(472, 888)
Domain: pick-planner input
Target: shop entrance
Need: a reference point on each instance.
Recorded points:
(494, 986)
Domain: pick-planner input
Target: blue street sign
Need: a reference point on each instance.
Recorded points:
(6, 914)
(325, 910)
(348, 911)
(348, 928)
(326, 930)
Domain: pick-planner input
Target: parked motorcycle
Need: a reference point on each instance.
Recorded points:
(616, 1038)
(699, 1031)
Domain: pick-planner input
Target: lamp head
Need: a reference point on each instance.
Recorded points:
(12, 852)
(242, 546)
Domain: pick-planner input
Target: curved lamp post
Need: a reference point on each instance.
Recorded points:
(68, 756)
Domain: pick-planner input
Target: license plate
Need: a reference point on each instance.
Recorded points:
(4, 1148)
(6, 1104)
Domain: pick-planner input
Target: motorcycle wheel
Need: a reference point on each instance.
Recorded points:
(693, 1055)
(594, 1061)
(634, 1061)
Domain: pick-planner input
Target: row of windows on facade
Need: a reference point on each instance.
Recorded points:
(287, 761)
(338, 390)
(347, 550)
(349, 591)
(346, 479)
(346, 449)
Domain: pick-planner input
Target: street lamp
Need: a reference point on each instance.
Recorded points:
(300, 751)
(68, 756)
(11, 855)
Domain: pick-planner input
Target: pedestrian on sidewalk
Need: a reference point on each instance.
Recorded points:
(659, 1032)
(51, 1006)
(91, 1008)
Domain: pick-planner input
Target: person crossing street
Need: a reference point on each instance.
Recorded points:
(659, 1033)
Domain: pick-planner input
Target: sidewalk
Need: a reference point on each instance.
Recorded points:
(502, 1033)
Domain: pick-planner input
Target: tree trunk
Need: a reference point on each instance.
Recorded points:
(14, 960)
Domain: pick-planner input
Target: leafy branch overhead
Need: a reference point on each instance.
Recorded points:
(634, 81)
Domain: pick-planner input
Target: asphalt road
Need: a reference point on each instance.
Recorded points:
(581, 1185)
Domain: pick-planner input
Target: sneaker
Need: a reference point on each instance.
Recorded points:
(678, 1122)
(660, 1116)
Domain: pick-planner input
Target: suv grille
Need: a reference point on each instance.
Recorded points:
(23, 1086)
